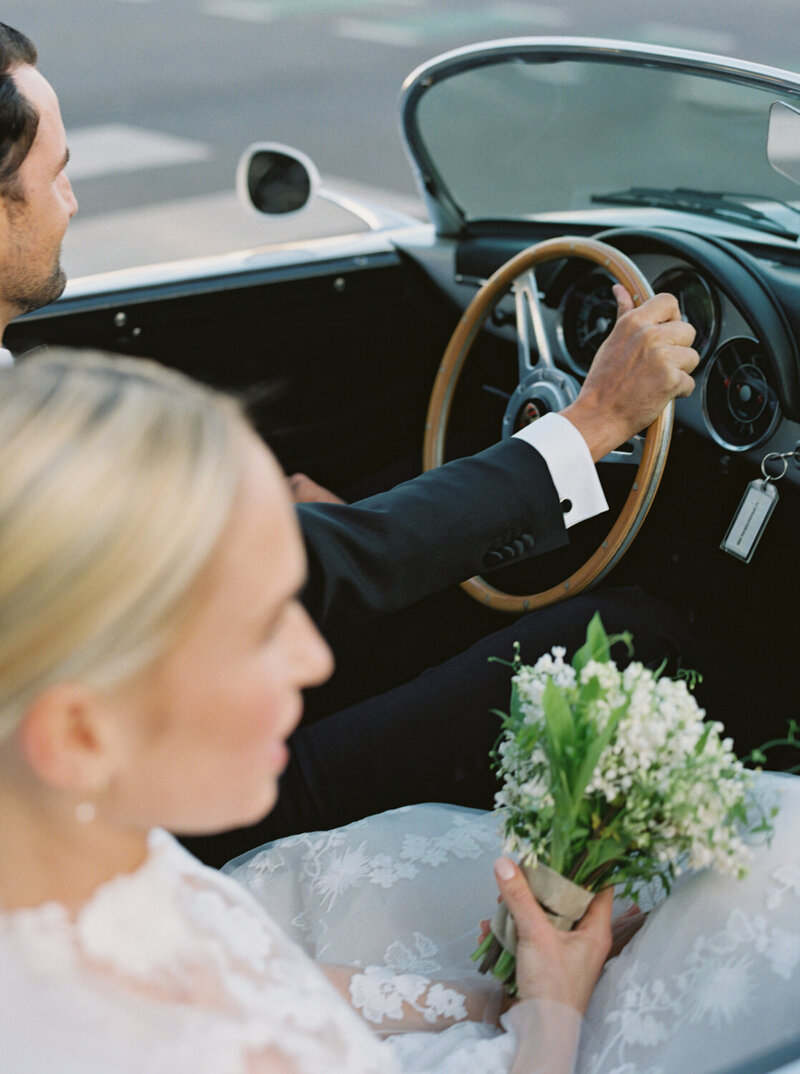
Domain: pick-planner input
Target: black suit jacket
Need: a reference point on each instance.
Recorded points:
(387, 552)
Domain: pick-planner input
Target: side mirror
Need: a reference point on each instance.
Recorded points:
(783, 140)
(274, 179)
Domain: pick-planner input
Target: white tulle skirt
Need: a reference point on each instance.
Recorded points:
(711, 979)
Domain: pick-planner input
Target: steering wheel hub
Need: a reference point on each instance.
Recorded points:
(545, 391)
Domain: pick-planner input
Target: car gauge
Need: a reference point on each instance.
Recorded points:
(740, 404)
(698, 303)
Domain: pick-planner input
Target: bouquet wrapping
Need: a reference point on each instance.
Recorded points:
(610, 777)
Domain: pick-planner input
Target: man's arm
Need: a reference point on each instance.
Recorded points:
(391, 550)
(472, 515)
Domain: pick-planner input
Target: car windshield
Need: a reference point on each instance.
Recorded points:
(522, 137)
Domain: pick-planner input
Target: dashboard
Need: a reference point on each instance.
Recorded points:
(744, 306)
(738, 398)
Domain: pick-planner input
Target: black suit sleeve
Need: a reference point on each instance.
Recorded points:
(386, 552)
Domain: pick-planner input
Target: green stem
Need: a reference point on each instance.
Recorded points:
(596, 834)
(482, 947)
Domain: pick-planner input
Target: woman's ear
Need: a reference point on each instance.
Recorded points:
(62, 738)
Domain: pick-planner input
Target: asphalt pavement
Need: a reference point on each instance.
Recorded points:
(160, 97)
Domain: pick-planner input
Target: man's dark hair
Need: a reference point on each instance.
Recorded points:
(18, 117)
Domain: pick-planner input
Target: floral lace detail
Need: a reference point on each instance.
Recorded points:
(379, 993)
(786, 880)
(400, 958)
(325, 876)
(333, 866)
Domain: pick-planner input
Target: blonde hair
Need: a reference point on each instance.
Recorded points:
(117, 478)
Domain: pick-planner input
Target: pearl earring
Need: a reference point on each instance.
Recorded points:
(85, 812)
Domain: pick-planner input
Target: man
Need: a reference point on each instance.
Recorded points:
(36, 199)
(429, 738)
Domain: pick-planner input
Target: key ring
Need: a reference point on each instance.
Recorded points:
(784, 458)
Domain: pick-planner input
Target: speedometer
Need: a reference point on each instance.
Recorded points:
(588, 313)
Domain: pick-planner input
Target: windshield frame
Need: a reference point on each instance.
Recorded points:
(448, 217)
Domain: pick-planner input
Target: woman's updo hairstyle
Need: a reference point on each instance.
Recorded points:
(117, 478)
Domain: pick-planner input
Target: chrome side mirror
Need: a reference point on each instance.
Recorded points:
(275, 179)
(783, 140)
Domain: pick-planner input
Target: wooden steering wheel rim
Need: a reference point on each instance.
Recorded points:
(656, 442)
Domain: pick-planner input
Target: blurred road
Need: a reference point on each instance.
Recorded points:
(161, 96)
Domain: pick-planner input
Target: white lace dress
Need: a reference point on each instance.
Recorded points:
(172, 969)
(711, 979)
(176, 969)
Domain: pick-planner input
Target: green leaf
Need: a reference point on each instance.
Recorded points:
(701, 742)
(596, 646)
(559, 724)
(593, 752)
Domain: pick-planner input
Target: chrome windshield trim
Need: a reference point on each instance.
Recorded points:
(447, 216)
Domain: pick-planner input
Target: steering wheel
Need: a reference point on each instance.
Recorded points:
(542, 387)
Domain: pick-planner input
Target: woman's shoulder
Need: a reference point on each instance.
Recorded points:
(172, 967)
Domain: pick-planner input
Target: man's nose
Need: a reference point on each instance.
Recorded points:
(73, 201)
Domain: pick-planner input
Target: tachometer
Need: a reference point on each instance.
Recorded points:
(739, 402)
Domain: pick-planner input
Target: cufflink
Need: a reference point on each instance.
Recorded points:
(566, 506)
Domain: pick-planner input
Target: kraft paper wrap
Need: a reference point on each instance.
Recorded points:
(562, 901)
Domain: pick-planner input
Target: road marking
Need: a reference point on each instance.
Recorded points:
(431, 25)
(272, 10)
(244, 10)
(112, 148)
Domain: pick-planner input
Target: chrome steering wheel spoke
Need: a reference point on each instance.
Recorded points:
(629, 454)
(530, 320)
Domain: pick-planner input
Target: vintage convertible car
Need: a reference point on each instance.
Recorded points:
(662, 156)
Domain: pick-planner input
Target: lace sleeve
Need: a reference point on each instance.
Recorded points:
(409, 1002)
(547, 1035)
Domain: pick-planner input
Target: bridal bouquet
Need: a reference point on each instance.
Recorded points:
(610, 777)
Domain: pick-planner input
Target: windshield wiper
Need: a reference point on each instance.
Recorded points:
(684, 199)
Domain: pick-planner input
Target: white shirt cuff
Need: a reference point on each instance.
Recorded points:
(6, 357)
(570, 464)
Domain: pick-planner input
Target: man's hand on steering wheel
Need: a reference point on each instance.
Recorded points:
(645, 362)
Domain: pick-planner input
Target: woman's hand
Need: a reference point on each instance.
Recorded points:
(553, 965)
(624, 928)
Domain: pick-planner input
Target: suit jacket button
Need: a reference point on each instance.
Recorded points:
(493, 559)
(528, 541)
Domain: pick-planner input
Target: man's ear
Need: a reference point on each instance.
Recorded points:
(62, 738)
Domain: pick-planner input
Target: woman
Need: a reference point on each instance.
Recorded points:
(152, 657)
